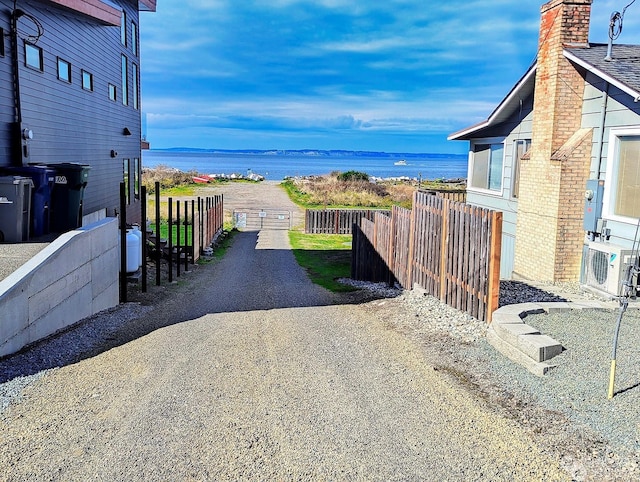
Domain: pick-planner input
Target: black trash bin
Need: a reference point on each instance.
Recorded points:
(67, 195)
(43, 178)
(15, 207)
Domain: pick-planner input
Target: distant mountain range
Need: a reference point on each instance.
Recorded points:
(316, 153)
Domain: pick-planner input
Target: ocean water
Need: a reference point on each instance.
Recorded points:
(278, 166)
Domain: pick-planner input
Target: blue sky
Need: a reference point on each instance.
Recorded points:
(392, 75)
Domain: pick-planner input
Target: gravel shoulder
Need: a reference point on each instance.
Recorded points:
(246, 370)
(284, 381)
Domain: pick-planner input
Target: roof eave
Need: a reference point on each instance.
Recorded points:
(94, 9)
(147, 5)
(464, 133)
(492, 120)
(604, 76)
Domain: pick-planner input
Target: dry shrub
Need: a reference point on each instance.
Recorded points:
(168, 177)
(329, 191)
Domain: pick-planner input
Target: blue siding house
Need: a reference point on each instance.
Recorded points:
(560, 157)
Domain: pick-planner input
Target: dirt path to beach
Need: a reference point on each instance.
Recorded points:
(248, 371)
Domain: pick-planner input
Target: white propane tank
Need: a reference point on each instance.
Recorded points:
(133, 248)
(138, 233)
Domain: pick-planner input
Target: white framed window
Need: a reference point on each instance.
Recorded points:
(487, 161)
(622, 184)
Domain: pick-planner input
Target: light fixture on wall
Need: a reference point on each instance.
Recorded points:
(126, 132)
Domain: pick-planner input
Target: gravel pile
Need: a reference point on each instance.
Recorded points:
(569, 405)
(577, 388)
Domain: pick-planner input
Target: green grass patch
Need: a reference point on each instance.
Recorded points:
(326, 257)
(183, 190)
(183, 230)
(297, 196)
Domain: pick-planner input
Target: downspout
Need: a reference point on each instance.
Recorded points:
(603, 117)
(16, 128)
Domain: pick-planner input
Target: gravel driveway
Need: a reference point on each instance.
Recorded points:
(246, 370)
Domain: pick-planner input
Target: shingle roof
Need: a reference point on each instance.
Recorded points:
(623, 70)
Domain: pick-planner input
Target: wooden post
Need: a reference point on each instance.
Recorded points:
(123, 244)
(170, 240)
(178, 245)
(392, 243)
(193, 232)
(158, 246)
(201, 231)
(412, 241)
(443, 248)
(494, 265)
(143, 217)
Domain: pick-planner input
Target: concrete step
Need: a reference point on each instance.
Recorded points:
(524, 344)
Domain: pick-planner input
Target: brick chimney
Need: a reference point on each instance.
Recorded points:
(549, 234)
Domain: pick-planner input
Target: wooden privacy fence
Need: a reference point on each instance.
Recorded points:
(450, 249)
(336, 221)
(457, 195)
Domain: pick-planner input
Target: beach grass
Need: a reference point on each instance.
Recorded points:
(333, 192)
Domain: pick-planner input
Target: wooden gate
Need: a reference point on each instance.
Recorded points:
(259, 219)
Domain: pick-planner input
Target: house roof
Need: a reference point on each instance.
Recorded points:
(104, 11)
(147, 5)
(622, 71)
(511, 103)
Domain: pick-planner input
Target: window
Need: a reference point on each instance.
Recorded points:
(1, 42)
(126, 179)
(520, 147)
(113, 92)
(134, 38)
(623, 174)
(125, 81)
(487, 166)
(136, 178)
(33, 57)
(87, 80)
(64, 70)
(134, 69)
(123, 28)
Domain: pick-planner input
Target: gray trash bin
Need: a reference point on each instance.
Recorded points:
(15, 208)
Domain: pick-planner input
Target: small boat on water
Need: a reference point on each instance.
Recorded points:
(401, 162)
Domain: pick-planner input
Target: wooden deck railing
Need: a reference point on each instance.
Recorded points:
(450, 249)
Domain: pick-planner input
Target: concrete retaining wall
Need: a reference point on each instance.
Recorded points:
(74, 277)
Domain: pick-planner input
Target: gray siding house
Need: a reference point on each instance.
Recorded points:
(70, 91)
(569, 128)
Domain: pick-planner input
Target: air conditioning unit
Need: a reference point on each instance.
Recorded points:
(605, 267)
